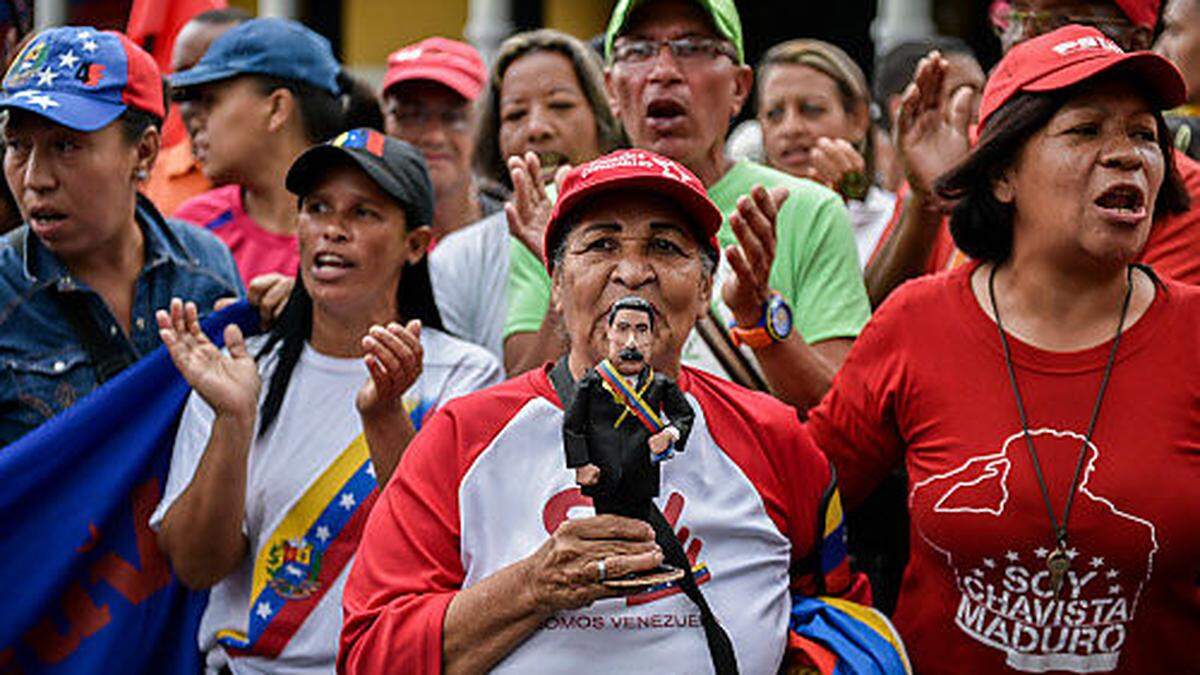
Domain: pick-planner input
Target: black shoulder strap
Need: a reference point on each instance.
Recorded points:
(720, 648)
(741, 370)
(107, 359)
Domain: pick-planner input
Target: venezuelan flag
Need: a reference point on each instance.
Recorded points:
(841, 637)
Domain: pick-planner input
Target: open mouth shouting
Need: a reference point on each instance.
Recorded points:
(665, 115)
(46, 221)
(328, 266)
(1123, 203)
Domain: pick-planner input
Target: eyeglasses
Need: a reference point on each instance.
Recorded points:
(687, 50)
(457, 120)
(1013, 25)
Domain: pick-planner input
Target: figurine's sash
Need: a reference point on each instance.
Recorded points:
(631, 399)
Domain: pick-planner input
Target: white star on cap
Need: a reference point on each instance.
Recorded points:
(43, 101)
(1012, 556)
(68, 60)
(323, 533)
(90, 45)
(46, 77)
(264, 609)
(347, 501)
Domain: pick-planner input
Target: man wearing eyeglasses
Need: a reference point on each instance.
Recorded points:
(932, 136)
(788, 296)
(791, 294)
(428, 95)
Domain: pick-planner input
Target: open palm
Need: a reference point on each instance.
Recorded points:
(227, 381)
(931, 134)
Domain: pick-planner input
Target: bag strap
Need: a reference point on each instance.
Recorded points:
(108, 360)
(739, 368)
(720, 647)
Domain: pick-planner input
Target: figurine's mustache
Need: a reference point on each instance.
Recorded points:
(631, 354)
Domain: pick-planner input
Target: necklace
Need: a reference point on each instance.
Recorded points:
(1058, 562)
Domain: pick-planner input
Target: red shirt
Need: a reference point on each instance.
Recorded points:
(255, 250)
(1173, 248)
(925, 384)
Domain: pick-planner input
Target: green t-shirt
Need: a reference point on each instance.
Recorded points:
(815, 269)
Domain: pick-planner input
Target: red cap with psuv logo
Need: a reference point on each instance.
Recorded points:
(454, 64)
(1142, 13)
(642, 170)
(1069, 55)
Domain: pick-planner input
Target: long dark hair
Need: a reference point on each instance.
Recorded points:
(414, 300)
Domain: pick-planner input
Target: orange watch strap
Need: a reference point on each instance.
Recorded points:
(755, 338)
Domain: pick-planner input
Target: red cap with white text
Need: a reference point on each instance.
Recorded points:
(641, 170)
(1072, 54)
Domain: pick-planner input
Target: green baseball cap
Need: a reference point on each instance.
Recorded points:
(723, 13)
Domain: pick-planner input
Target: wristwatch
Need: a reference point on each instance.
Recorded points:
(775, 325)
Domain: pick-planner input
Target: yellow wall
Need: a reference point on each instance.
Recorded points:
(581, 18)
(371, 29)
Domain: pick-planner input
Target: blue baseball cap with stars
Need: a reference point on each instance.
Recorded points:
(83, 78)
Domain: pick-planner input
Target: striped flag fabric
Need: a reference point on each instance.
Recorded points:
(85, 587)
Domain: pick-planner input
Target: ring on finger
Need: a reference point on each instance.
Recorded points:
(602, 570)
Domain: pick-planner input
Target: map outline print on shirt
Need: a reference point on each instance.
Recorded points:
(1068, 633)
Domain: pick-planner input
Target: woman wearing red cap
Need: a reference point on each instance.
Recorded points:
(484, 555)
(1044, 399)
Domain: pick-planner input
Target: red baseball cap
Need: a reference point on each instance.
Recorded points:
(1142, 13)
(1069, 55)
(454, 64)
(626, 170)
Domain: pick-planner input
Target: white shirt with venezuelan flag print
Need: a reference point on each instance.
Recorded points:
(309, 489)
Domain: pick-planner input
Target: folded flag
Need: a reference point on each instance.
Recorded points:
(85, 586)
(841, 637)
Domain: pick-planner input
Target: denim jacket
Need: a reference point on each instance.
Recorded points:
(45, 366)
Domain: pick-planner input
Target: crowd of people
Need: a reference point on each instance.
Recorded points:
(939, 329)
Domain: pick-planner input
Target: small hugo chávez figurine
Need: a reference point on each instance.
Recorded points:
(625, 418)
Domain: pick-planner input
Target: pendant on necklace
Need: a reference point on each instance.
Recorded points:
(1058, 563)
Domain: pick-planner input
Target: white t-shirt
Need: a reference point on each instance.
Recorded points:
(469, 272)
(307, 476)
(870, 218)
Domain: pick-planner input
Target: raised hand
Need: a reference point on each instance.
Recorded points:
(753, 223)
(837, 165)
(227, 381)
(393, 355)
(931, 135)
(528, 211)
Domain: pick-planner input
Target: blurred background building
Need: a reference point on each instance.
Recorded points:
(363, 32)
